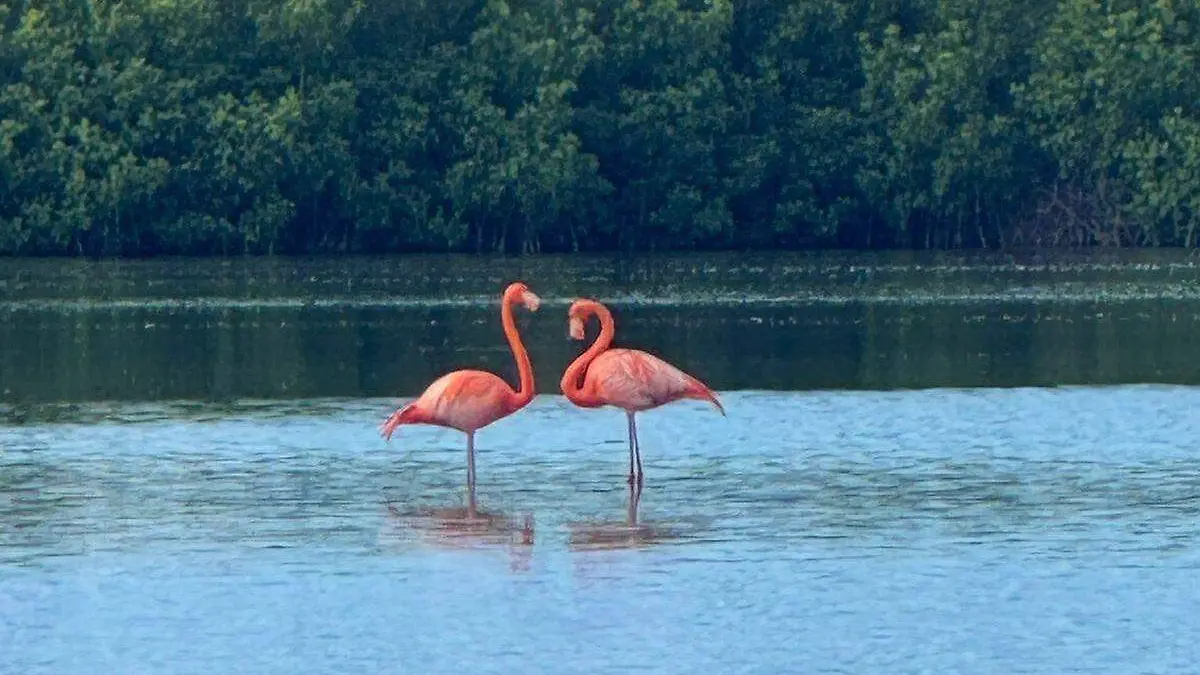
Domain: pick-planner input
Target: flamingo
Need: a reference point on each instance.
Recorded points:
(468, 400)
(629, 379)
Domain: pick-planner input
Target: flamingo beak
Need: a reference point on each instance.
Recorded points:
(530, 300)
(575, 326)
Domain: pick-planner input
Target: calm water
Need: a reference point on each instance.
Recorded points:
(377, 327)
(823, 526)
(990, 531)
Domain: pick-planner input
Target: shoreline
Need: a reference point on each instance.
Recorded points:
(447, 280)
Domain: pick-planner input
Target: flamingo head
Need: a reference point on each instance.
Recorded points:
(577, 317)
(519, 292)
(575, 326)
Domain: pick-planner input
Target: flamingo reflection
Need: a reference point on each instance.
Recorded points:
(466, 527)
(617, 535)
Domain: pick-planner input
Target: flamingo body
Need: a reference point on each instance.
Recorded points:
(466, 400)
(629, 379)
(634, 381)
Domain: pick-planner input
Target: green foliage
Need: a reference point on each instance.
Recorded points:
(146, 127)
(946, 161)
(1113, 99)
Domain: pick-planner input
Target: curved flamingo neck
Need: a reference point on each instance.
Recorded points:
(574, 374)
(525, 389)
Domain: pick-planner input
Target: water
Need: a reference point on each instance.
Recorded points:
(156, 517)
(988, 531)
(378, 327)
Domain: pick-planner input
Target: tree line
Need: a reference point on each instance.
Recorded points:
(210, 127)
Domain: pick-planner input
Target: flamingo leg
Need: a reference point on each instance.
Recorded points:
(632, 475)
(637, 449)
(635, 496)
(471, 474)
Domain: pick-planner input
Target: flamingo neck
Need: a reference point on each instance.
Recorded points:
(525, 390)
(573, 376)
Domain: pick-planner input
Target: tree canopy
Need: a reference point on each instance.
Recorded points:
(210, 127)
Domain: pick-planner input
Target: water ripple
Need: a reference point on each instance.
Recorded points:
(829, 531)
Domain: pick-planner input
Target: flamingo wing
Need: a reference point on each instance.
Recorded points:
(466, 400)
(634, 380)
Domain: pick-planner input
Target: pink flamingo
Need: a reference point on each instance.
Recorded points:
(629, 379)
(468, 400)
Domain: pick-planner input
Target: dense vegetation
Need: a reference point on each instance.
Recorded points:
(226, 126)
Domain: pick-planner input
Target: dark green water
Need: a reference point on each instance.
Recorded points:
(353, 327)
